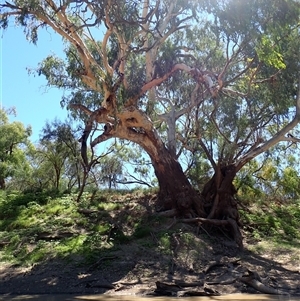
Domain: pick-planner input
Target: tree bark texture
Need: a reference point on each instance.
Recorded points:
(219, 193)
(132, 124)
(219, 200)
(175, 191)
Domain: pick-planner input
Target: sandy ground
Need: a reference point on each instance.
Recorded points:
(134, 270)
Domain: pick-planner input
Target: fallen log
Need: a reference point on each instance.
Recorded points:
(87, 211)
(253, 280)
(259, 286)
(174, 289)
(188, 284)
(56, 235)
(166, 289)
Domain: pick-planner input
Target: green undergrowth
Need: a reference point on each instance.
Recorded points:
(35, 227)
(273, 220)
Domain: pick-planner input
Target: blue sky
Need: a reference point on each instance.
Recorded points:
(34, 102)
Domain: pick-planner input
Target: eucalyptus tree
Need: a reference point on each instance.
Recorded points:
(59, 149)
(261, 106)
(13, 141)
(168, 74)
(64, 136)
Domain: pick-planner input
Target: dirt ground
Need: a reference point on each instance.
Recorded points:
(215, 268)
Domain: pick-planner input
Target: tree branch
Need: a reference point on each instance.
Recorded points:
(279, 136)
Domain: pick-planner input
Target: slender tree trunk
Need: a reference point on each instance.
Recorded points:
(81, 188)
(109, 182)
(57, 177)
(2, 183)
(78, 176)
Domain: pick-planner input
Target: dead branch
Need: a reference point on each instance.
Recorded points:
(251, 280)
(188, 284)
(216, 222)
(87, 211)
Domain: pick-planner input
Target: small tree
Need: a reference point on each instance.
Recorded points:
(12, 156)
(59, 138)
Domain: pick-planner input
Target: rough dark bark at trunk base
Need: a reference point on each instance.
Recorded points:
(219, 195)
(220, 203)
(216, 202)
(176, 192)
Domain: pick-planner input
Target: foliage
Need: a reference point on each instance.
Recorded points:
(277, 220)
(267, 176)
(59, 152)
(13, 140)
(245, 42)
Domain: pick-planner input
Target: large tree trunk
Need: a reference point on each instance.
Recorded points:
(219, 194)
(175, 191)
(220, 202)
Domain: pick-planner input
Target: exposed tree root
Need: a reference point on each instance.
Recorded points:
(217, 222)
(168, 213)
(219, 264)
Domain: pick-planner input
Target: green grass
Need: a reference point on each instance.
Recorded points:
(26, 218)
(109, 206)
(68, 246)
(165, 243)
(102, 228)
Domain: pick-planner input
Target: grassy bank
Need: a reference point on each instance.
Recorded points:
(39, 226)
